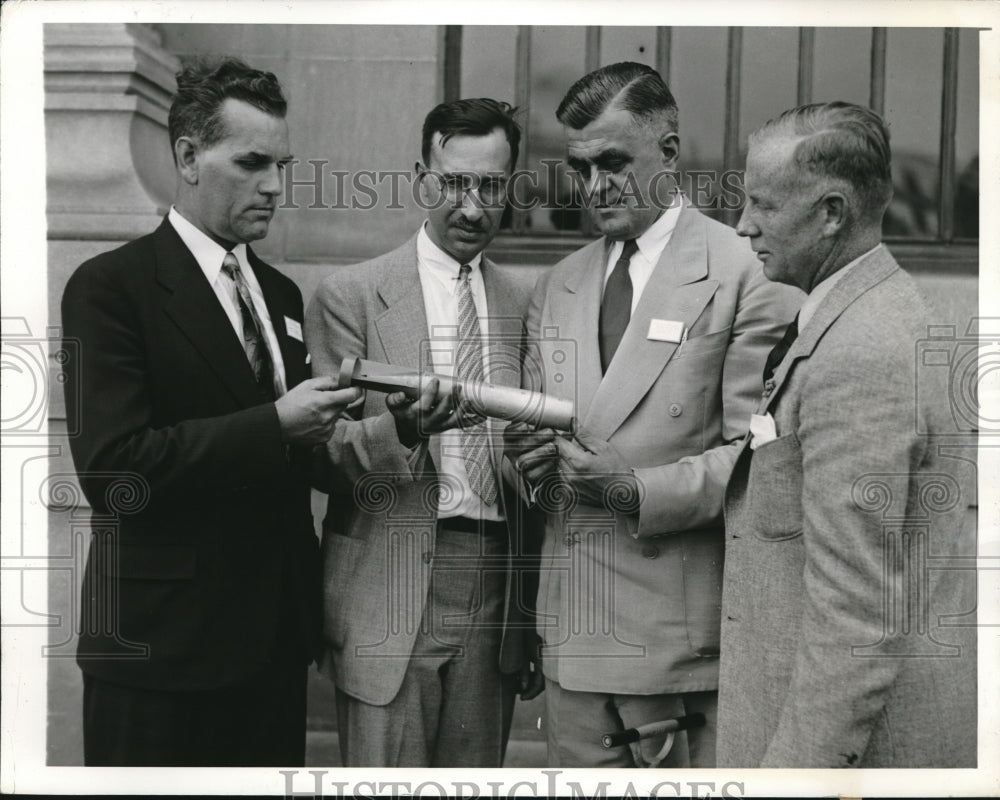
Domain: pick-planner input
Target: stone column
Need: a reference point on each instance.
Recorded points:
(108, 88)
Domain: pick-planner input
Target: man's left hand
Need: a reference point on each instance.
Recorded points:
(597, 472)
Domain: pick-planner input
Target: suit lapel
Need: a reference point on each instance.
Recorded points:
(677, 290)
(506, 328)
(578, 308)
(191, 302)
(860, 278)
(402, 326)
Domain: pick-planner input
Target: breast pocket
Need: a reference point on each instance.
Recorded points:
(698, 346)
(774, 489)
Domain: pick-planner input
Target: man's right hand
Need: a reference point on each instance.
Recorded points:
(307, 412)
(532, 452)
(428, 414)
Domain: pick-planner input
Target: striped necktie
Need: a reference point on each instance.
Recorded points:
(469, 367)
(253, 331)
(616, 305)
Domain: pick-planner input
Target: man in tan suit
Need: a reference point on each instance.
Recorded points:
(843, 515)
(658, 331)
(423, 614)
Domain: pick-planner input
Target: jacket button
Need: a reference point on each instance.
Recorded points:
(650, 551)
(427, 557)
(675, 409)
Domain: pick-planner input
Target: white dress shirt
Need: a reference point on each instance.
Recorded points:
(438, 273)
(209, 254)
(823, 289)
(650, 244)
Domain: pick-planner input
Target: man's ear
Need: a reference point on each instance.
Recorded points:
(670, 150)
(834, 207)
(186, 156)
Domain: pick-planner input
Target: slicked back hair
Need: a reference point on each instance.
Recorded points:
(844, 141)
(637, 88)
(203, 86)
(471, 117)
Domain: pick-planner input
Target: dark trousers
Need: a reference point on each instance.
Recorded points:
(259, 722)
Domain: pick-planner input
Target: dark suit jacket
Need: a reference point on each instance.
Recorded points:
(204, 559)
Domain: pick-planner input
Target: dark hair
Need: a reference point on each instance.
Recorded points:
(203, 85)
(844, 141)
(636, 87)
(473, 117)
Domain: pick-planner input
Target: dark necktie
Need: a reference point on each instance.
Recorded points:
(253, 330)
(780, 350)
(616, 305)
(469, 367)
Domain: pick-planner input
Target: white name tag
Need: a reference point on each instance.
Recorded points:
(294, 328)
(665, 330)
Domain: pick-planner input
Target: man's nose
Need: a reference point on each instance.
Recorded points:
(472, 206)
(271, 183)
(746, 226)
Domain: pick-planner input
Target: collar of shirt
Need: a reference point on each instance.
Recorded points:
(823, 289)
(206, 251)
(442, 266)
(652, 242)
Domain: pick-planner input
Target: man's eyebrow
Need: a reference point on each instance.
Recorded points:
(599, 159)
(611, 155)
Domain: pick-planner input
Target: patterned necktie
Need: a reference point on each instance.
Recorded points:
(253, 331)
(469, 367)
(780, 350)
(616, 305)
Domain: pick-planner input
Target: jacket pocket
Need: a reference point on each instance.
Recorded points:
(341, 556)
(150, 561)
(706, 343)
(774, 489)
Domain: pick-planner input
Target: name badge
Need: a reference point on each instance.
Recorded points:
(294, 328)
(665, 330)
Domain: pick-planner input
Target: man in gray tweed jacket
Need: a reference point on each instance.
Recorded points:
(842, 508)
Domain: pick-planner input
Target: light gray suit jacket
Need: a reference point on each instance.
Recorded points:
(629, 603)
(379, 531)
(841, 537)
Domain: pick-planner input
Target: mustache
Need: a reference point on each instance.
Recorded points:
(470, 227)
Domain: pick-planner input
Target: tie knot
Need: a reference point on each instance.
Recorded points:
(230, 265)
(464, 272)
(629, 249)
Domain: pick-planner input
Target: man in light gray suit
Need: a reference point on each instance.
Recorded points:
(665, 323)
(424, 612)
(842, 513)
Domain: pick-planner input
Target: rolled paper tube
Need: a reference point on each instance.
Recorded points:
(501, 402)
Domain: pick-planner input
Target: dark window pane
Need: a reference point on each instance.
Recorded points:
(967, 137)
(769, 77)
(913, 82)
(842, 68)
(557, 61)
(489, 56)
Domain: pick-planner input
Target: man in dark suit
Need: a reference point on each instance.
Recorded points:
(200, 598)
